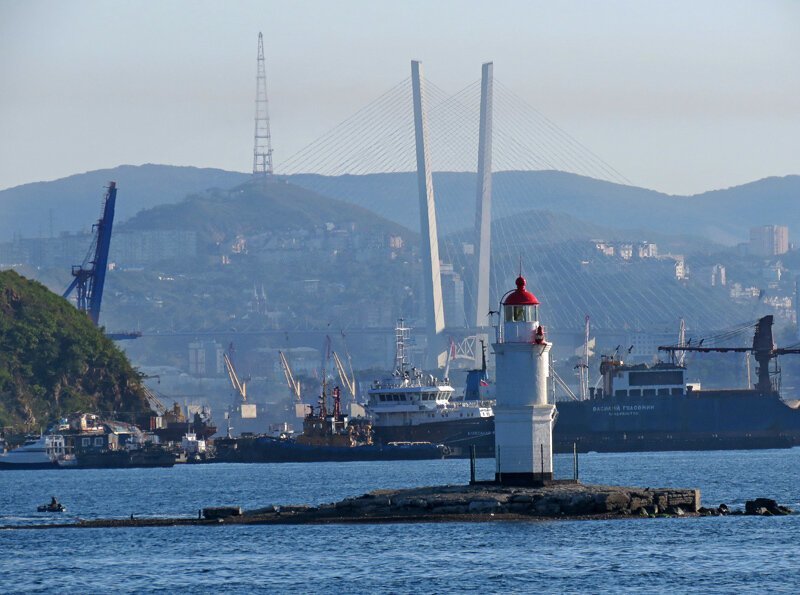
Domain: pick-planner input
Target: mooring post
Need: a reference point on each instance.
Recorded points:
(575, 461)
(472, 464)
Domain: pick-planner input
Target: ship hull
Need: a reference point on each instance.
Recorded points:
(28, 466)
(711, 420)
(122, 459)
(261, 449)
(458, 435)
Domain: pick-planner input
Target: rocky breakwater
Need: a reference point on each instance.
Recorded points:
(486, 502)
(462, 504)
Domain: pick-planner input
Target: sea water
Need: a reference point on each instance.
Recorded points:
(711, 554)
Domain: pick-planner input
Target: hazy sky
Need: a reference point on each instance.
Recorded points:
(678, 96)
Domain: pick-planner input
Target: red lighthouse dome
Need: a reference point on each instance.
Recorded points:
(521, 296)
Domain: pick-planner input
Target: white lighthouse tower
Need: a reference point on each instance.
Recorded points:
(523, 419)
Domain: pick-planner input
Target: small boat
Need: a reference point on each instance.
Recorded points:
(51, 507)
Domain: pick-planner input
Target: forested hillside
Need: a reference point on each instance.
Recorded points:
(53, 361)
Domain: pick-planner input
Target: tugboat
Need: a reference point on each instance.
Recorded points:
(326, 437)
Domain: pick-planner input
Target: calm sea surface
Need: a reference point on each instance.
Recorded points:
(708, 555)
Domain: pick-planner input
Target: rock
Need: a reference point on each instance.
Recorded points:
(259, 511)
(347, 504)
(616, 501)
(411, 503)
(221, 512)
(547, 507)
(580, 504)
(639, 501)
(295, 508)
(765, 507)
(483, 506)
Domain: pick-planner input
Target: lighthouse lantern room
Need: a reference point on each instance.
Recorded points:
(523, 417)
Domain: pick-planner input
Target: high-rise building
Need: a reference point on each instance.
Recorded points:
(769, 240)
(205, 358)
(452, 296)
(718, 275)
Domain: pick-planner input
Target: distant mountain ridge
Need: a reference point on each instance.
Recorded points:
(722, 216)
(75, 201)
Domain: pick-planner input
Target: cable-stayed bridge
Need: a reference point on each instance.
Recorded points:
(484, 150)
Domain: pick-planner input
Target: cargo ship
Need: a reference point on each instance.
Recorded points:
(651, 407)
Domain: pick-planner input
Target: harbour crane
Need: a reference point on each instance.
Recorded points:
(763, 349)
(90, 276)
(294, 385)
(348, 380)
(155, 403)
(240, 386)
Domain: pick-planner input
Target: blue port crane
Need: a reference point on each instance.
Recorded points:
(90, 276)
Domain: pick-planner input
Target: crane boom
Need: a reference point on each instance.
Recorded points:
(763, 350)
(349, 383)
(294, 385)
(239, 386)
(155, 403)
(90, 276)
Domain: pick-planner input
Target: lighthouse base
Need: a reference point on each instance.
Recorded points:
(523, 479)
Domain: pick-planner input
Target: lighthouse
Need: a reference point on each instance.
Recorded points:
(523, 418)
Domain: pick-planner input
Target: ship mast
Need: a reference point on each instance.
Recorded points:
(585, 363)
(401, 333)
(681, 355)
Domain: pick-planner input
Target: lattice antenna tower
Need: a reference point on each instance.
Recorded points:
(262, 144)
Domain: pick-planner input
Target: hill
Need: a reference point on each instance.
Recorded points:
(724, 216)
(256, 207)
(73, 203)
(53, 361)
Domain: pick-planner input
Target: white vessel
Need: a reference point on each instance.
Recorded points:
(411, 406)
(38, 452)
